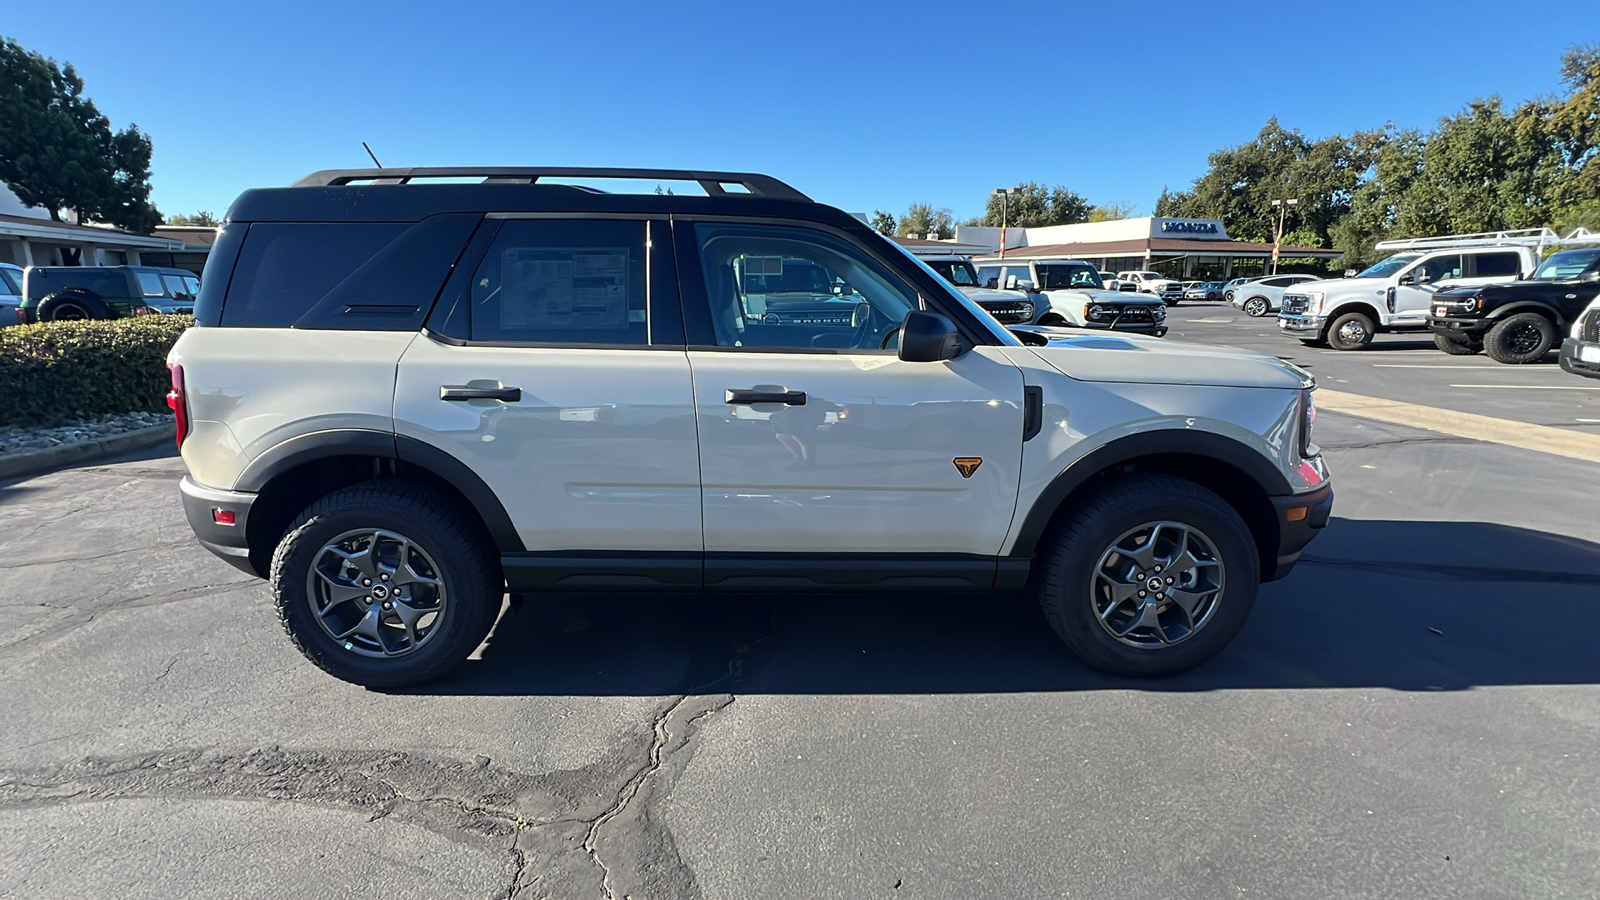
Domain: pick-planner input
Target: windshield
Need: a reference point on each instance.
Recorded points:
(958, 272)
(1389, 266)
(957, 298)
(1566, 264)
(1066, 276)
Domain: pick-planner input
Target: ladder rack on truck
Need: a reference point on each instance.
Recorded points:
(1538, 238)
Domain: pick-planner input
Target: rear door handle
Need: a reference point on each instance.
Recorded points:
(468, 392)
(747, 395)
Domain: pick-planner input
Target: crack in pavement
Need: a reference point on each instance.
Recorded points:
(642, 873)
(83, 617)
(1419, 439)
(106, 555)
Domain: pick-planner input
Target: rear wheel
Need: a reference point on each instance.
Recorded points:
(1351, 331)
(1150, 574)
(1257, 306)
(73, 305)
(1518, 339)
(386, 584)
(1457, 347)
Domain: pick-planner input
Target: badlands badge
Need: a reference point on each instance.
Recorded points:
(968, 464)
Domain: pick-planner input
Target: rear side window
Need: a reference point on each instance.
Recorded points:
(150, 283)
(285, 269)
(1498, 265)
(563, 282)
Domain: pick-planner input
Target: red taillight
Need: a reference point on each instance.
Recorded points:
(22, 316)
(178, 403)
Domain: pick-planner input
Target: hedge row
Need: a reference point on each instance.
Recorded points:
(55, 372)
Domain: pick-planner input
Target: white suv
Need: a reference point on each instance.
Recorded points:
(1265, 295)
(403, 400)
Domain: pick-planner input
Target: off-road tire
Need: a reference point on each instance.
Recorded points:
(72, 304)
(1366, 332)
(1520, 339)
(1256, 307)
(1076, 545)
(1457, 348)
(446, 530)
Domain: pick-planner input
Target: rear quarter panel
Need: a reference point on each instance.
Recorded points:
(250, 389)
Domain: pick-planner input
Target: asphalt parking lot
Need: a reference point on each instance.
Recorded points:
(1413, 713)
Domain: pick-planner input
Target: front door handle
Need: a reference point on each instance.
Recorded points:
(468, 392)
(750, 395)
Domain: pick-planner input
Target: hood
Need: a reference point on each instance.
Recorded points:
(1144, 360)
(988, 295)
(1334, 285)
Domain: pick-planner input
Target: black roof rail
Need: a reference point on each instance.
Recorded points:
(712, 182)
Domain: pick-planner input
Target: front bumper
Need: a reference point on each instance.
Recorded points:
(1572, 358)
(1457, 327)
(200, 506)
(1312, 509)
(1301, 325)
(1143, 326)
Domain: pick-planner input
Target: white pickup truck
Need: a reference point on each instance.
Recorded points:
(1150, 282)
(1394, 295)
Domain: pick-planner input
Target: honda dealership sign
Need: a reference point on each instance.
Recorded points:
(1194, 229)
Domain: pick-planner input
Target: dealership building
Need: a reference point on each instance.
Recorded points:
(1179, 248)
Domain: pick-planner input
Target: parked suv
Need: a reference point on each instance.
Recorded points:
(1519, 321)
(409, 398)
(1265, 295)
(1069, 292)
(64, 293)
(10, 293)
(1007, 307)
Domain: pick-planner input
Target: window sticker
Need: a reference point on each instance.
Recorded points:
(565, 288)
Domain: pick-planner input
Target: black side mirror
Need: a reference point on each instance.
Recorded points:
(928, 337)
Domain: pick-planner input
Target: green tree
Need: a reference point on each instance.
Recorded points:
(882, 222)
(1111, 212)
(58, 152)
(921, 220)
(202, 218)
(1172, 203)
(1034, 206)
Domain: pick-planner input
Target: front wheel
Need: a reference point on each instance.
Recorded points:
(1518, 339)
(1456, 347)
(1257, 307)
(386, 584)
(1351, 331)
(1149, 575)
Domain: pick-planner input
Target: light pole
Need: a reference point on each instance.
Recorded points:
(1005, 206)
(1283, 212)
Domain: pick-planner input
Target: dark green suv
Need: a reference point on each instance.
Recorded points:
(65, 293)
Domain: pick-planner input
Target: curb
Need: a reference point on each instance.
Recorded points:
(36, 462)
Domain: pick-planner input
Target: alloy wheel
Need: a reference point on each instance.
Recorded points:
(376, 592)
(1157, 585)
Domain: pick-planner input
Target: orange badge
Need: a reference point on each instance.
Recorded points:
(968, 464)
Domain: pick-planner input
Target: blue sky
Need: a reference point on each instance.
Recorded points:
(862, 105)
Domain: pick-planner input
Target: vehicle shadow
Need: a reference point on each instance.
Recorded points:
(1379, 604)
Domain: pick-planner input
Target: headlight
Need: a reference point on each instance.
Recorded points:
(1026, 310)
(1099, 312)
(1313, 302)
(1159, 314)
(1308, 418)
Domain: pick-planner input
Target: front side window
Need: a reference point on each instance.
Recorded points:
(1566, 264)
(989, 276)
(1437, 269)
(562, 282)
(958, 273)
(832, 296)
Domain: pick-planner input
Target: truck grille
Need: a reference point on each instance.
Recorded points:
(1591, 327)
(1008, 313)
(1295, 304)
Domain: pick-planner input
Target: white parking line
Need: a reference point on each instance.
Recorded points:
(1529, 387)
(1437, 366)
(1579, 445)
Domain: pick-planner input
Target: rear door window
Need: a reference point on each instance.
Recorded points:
(1497, 265)
(563, 282)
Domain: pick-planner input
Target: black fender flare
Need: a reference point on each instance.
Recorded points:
(1164, 442)
(1562, 323)
(316, 445)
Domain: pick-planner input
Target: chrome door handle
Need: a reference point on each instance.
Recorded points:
(467, 392)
